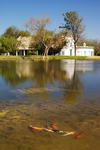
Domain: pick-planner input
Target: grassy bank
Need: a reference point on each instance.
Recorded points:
(49, 57)
(9, 57)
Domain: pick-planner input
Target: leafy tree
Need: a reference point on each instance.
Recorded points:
(50, 43)
(73, 23)
(58, 41)
(8, 44)
(23, 33)
(12, 31)
(95, 44)
(41, 40)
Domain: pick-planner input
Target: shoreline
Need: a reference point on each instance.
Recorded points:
(34, 57)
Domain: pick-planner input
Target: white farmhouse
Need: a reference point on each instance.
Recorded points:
(69, 50)
(24, 45)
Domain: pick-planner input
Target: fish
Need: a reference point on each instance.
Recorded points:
(63, 133)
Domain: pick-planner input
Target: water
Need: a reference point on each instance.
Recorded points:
(41, 92)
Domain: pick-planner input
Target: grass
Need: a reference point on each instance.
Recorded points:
(34, 57)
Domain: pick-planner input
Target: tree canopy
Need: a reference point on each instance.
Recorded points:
(8, 44)
(73, 23)
(12, 32)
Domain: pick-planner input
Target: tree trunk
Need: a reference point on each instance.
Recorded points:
(75, 48)
(46, 51)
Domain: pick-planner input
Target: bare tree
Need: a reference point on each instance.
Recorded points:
(37, 26)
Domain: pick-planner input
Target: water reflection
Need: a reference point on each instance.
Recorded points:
(57, 79)
(8, 71)
(65, 80)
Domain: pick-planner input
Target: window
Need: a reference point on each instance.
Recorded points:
(70, 52)
(63, 53)
(91, 53)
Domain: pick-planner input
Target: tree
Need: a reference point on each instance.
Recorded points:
(41, 36)
(95, 44)
(8, 44)
(35, 25)
(58, 41)
(73, 23)
(12, 32)
(42, 41)
(51, 43)
(23, 33)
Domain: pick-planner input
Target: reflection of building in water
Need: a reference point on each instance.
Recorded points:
(68, 67)
(84, 66)
(23, 69)
(81, 66)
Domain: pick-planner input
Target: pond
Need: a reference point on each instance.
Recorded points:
(39, 93)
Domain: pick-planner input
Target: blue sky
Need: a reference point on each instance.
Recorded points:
(17, 12)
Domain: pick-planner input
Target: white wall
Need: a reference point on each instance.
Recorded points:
(79, 52)
(67, 52)
(85, 51)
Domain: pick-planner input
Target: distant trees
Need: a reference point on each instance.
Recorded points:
(95, 44)
(23, 33)
(8, 44)
(11, 32)
(73, 23)
(15, 32)
(46, 41)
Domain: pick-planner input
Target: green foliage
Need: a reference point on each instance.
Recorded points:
(40, 39)
(95, 44)
(8, 44)
(8, 41)
(23, 33)
(73, 24)
(12, 32)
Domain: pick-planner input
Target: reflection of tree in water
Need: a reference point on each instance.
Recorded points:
(8, 72)
(42, 73)
(48, 72)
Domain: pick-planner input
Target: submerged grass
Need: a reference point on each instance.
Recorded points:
(15, 134)
(3, 113)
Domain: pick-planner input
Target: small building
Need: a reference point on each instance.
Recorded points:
(69, 50)
(24, 45)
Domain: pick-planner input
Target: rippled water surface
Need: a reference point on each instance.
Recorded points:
(65, 92)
